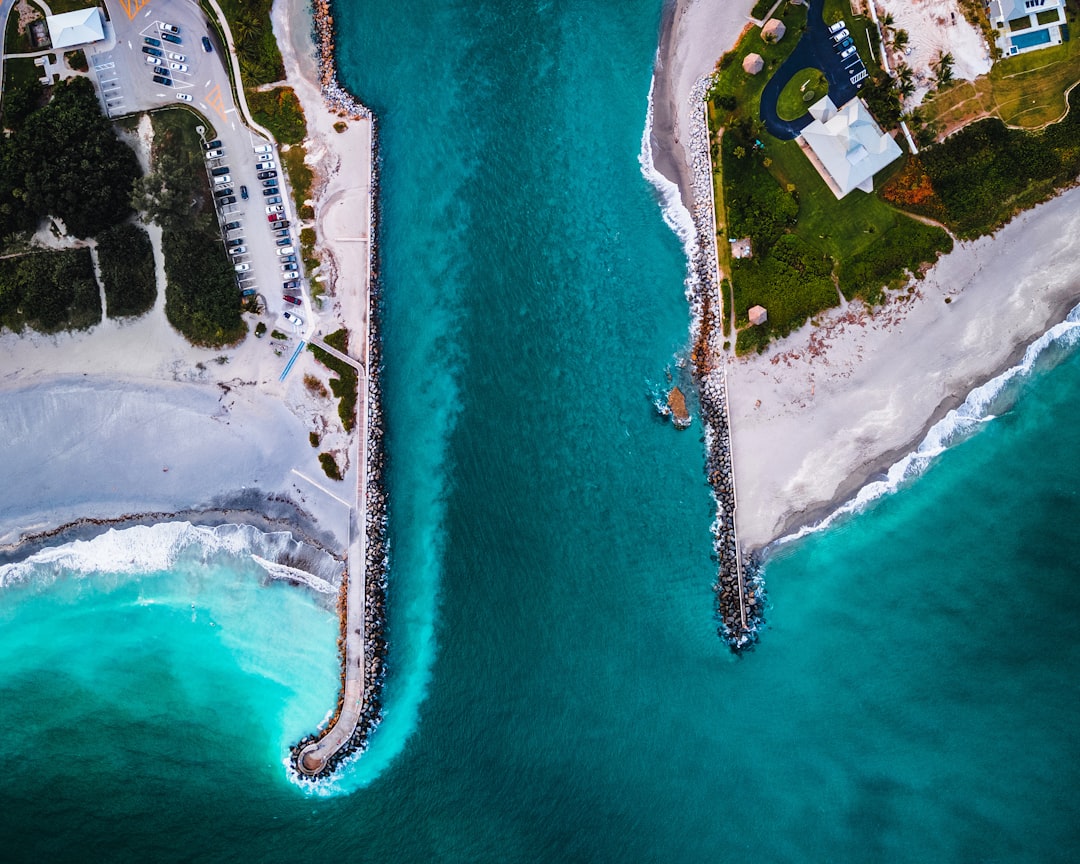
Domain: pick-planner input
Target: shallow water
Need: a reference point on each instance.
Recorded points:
(557, 690)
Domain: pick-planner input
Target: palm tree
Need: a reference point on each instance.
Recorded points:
(943, 68)
(900, 39)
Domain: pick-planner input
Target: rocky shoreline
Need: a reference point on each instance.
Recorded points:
(740, 600)
(346, 105)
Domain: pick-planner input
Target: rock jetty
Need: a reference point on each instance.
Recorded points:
(739, 593)
(377, 543)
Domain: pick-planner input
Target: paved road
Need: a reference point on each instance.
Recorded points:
(815, 50)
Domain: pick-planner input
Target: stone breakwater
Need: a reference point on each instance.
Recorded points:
(377, 552)
(739, 594)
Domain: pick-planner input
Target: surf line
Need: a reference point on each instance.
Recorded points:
(362, 601)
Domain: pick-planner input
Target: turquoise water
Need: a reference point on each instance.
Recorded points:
(557, 690)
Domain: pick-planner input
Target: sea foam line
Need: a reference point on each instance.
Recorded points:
(674, 213)
(957, 425)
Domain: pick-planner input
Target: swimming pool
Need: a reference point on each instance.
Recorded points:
(1030, 40)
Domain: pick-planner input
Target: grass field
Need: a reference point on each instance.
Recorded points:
(806, 243)
(1027, 91)
(802, 91)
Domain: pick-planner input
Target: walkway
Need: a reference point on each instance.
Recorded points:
(815, 50)
(333, 352)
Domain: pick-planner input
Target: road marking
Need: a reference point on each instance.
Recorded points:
(217, 102)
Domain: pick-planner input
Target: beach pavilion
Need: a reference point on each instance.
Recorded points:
(80, 27)
(846, 145)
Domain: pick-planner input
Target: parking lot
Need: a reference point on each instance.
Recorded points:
(142, 48)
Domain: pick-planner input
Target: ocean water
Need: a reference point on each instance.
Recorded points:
(557, 688)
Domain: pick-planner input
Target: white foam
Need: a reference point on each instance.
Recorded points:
(292, 574)
(954, 427)
(676, 216)
(155, 548)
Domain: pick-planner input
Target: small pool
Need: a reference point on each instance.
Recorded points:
(1030, 40)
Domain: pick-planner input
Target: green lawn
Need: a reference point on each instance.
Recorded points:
(806, 242)
(802, 91)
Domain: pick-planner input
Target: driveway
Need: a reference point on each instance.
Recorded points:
(815, 50)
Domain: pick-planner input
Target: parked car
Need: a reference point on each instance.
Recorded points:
(264, 148)
(289, 274)
(274, 217)
(229, 199)
(288, 262)
(248, 292)
(264, 166)
(221, 169)
(158, 79)
(293, 318)
(284, 232)
(210, 145)
(179, 58)
(231, 226)
(288, 298)
(153, 52)
(238, 241)
(284, 241)
(223, 179)
(275, 208)
(179, 67)
(244, 192)
(839, 25)
(242, 268)
(221, 193)
(153, 61)
(840, 35)
(286, 250)
(269, 184)
(206, 46)
(216, 153)
(168, 28)
(238, 250)
(847, 52)
(275, 200)
(184, 97)
(847, 43)
(169, 37)
(284, 223)
(150, 40)
(266, 175)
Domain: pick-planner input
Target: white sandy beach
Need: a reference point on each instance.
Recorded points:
(825, 410)
(128, 418)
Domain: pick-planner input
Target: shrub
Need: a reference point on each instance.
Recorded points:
(49, 291)
(330, 466)
(201, 298)
(313, 439)
(346, 386)
(126, 259)
(279, 111)
(905, 247)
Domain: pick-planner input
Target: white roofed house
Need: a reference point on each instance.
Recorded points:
(846, 145)
(80, 27)
(1027, 25)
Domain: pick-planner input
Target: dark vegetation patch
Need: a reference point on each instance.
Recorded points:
(346, 386)
(49, 291)
(126, 260)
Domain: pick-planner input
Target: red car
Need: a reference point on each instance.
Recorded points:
(274, 217)
(294, 300)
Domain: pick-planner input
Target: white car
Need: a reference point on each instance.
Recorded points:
(841, 35)
(286, 250)
(242, 268)
(179, 67)
(184, 97)
(238, 250)
(168, 28)
(275, 208)
(153, 61)
(264, 166)
(215, 154)
(264, 148)
(290, 274)
(837, 27)
(293, 318)
(223, 179)
(179, 58)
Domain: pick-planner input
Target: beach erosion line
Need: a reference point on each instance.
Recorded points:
(740, 600)
(981, 406)
(340, 101)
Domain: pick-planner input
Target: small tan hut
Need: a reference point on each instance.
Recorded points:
(757, 315)
(773, 31)
(752, 64)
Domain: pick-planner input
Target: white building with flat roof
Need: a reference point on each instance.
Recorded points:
(846, 145)
(1027, 25)
(80, 27)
